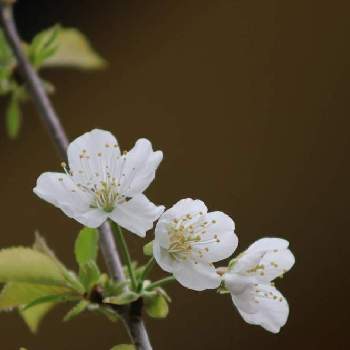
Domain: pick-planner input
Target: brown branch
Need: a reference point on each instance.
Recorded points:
(132, 314)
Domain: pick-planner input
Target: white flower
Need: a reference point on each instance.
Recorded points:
(188, 240)
(249, 282)
(102, 183)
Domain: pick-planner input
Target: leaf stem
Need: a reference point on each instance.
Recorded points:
(161, 282)
(119, 236)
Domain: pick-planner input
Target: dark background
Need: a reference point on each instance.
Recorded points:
(249, 102)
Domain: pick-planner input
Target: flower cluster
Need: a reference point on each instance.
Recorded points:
(101, 183)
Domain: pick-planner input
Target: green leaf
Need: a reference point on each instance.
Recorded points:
(163, 293)
(148, 249)
(86, 246)
(124, 347)
(41, 246)
(122, 299)
(18, 294)
(110, 314)
(13, 117)
(27, 265)
(74, 50)
(43, 46)
(6, 85)
(6, 56)
(76, 310)
(34, 316)
(72, 280)
(113, 288)
(157, 306)
(7, 64)
(47, 299)
(89, 275)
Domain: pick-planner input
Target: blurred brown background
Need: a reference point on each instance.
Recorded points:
(249, 102)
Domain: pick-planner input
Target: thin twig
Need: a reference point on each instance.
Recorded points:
(132, 317)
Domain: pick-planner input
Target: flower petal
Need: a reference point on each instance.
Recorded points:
(265, 260)
(139, 168)
(221, 236)
(93, 154)
(59, 190)
(246, 263)
(276, 263)
(163, 258)
(182, 208)
(136, 215)
(197, 275)
(237, 283)
(262, 305)
(268, 243)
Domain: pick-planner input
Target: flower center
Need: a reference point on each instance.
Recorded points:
(181, 242)
(186, 237)
(101, 189)
(106, 196)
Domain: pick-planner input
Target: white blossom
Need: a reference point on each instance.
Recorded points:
(188, 240)
(102, 182)
(249, 281)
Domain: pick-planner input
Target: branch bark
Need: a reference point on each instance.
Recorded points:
(132, 314)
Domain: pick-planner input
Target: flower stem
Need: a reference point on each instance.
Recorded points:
(148, 268)
(161, 282)
(119, 236)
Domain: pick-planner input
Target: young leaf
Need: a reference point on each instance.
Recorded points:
(157, 306)
(115, 287)
(34, 316)
(74, 50)
(86, 246)
(89, 275)
(18, 294)
(48, 299)
(148, 249)
(13, 117)
(27, 265)
(162, 292)
(110, 314)
(6, 56)
(6, 85)
(122, 299)
(76, 310)
(43, 46)
(124, 347)
(40, 245)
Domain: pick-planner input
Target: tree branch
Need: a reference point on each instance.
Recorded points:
(132, 314)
